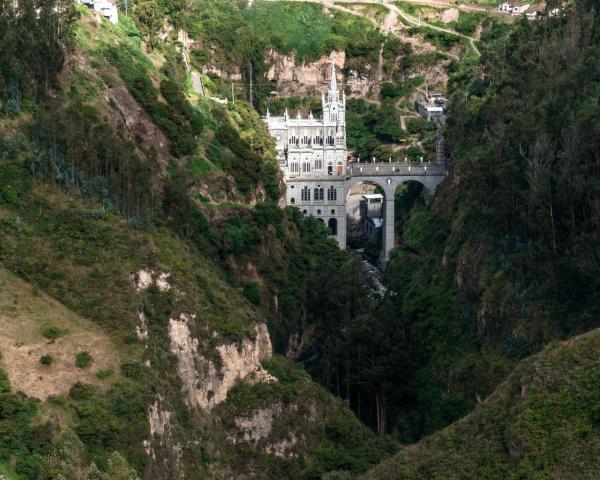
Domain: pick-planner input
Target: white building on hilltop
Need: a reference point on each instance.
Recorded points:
(312, 155)
(106, 8)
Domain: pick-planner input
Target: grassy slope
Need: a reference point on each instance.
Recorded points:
(64, 249)
(542, 422)
(76, 252)
(25, 316)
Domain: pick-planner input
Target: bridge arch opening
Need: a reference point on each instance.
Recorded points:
(408, 196)
(365, 218)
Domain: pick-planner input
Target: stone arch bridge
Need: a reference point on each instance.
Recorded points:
(389, 176)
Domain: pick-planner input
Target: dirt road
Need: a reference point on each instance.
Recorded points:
(390, 23)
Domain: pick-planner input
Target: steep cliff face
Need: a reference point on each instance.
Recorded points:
(312, 78)
(206, 382)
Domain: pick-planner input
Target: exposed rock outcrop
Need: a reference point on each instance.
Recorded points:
(257, 430)
(141, 329)
(263, 429)
(305, 77)
(145, 277)
(206, 384)
(258, 426)
(313, 77)
(159, 420)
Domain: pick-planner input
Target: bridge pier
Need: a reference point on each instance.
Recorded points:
(388, 225)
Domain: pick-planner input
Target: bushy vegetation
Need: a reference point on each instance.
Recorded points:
(31, 63)
(532, 426)
(371, 128)
(46, 360)
(506, 252)
(238, 33)
(175, 117)
(53, 332)
(342, 445)
(83, 360)
(493, 269)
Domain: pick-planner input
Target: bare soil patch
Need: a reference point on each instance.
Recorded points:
(25, 313)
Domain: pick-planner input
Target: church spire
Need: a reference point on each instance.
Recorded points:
(333, 87)
(333, 95)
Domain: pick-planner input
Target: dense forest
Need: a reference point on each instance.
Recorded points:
(111, 165)
(504, 259)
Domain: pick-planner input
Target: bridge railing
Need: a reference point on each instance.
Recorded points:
(400, 168)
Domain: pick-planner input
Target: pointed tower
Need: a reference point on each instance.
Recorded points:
(334, 108)
(333, 95)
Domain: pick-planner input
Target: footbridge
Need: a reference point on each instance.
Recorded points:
(389, 176)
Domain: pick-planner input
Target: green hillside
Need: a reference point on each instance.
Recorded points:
(541, 422)
(502, 261)
(162, 317)
(142, 250)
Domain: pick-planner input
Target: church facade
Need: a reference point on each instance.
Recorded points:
(312, 156)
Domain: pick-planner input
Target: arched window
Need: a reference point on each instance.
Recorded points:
(332, 193)
(304, 212)
(292, 200)
(332, 224)
(318, 212)
(333, 211)
(318, 194)
(305, 194)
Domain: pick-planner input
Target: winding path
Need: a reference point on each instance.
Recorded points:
(390, 25)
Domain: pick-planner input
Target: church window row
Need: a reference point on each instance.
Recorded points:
(332, 193)
(318, 195)
(306, 166)
(316, 140)
(305, 194)
(318, 211)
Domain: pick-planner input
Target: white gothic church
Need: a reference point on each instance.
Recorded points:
(312, 155)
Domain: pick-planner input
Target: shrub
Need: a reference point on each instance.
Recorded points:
(104, 373)
(83, 360)
(53, 332)
(46, 359)
(132, 370)
(4, 382)
(252, 292)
